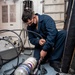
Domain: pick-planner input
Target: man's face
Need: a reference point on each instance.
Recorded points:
(32, 21)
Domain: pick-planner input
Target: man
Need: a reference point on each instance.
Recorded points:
(51, 45)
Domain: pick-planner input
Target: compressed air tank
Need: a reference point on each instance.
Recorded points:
(26, 67)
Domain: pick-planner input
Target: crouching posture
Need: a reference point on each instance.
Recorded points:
(50, 47)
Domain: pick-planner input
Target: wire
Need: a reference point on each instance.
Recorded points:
(14, 48)
(25, 30)
(13, 68)
(1, 62)
(2, 31)
(5, 30)
(22, 45)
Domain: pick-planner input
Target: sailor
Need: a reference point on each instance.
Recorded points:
(50, 47)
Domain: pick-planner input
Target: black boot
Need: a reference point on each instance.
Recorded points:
(56, 65)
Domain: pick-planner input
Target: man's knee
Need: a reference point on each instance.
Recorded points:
(63, 33)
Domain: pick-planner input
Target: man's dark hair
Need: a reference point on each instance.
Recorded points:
(27, 14)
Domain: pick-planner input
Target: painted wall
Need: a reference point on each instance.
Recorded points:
(19, 6)
(37, 7)
(55, 9)
(11, 25)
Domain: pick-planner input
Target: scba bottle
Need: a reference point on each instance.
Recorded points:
(26, 67)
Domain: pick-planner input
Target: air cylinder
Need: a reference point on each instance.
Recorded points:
(26, 67)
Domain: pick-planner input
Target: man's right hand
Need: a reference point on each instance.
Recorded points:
(42, 41)
(43, 54)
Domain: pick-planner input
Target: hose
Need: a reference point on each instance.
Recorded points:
(2, 31)
(22, 46)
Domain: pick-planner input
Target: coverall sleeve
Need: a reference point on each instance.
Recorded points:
(51, 34)
(33, 37)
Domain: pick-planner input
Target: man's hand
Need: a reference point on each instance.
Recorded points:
(42, 41)
(43, 54)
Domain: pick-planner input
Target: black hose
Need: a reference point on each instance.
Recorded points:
(27, 31)
(22, 46)
(14, 48)
(5, 30)
(9, 59)
(26, 37)
(38, 66)
(1, 62)
(2, 31)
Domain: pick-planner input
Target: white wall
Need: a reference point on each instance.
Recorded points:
(55, 9)
(19, 6)
(37, 6)
(8, 25)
